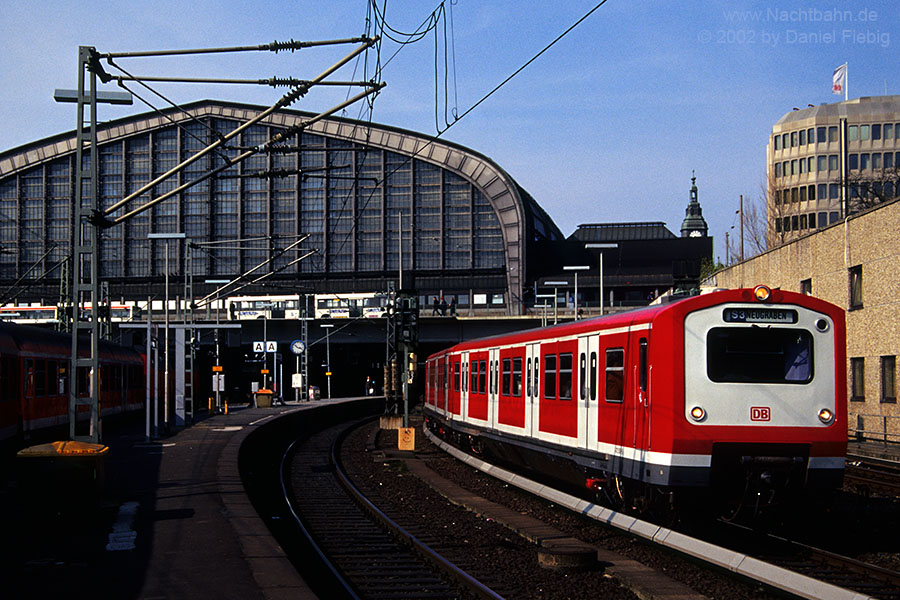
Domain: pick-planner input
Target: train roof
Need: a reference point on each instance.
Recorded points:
(642, 315)
(31, 340)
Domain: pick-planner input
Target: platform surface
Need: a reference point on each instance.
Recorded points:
(173, 522)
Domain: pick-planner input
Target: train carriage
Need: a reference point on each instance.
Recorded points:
(35, 379)
(743, 391)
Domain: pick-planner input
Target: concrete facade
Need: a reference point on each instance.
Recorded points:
(822, 262)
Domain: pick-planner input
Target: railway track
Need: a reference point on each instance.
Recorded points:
(872, 475)
(371, 555)
(800, 570)
(821, 565)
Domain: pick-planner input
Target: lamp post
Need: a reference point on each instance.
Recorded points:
(601, 246)
(576, 268)
(327, 327)
(166, 237)
(543, 307)
(555, 298)
(219, 377)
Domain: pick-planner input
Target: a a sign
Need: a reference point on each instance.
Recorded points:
(265, 346)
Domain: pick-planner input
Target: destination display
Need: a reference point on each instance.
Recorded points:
(760, 315)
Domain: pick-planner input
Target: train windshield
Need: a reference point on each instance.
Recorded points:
(759, 355)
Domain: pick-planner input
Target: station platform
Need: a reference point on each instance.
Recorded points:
(173, 521)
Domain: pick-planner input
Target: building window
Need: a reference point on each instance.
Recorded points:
(833, 133)
(832, 162)
(863, 133)
(833, 217)
(889, 379)
(876, 161)
(823, 219)
(853, 133)
(823, 163)
(864, 163)
(856, 291)
(857, 380)
(785, 141)
(822, 191)
(888, 131)
(803, 222)
(777, 140)
(888, 160)
(820, 134)
(876, 132)
(854, 162)
(802, 137)
(778, 169)
(794, 139)
(832, 191)
(806, 287)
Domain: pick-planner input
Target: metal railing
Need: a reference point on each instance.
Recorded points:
(868, 428)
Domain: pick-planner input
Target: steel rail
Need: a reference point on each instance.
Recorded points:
(472, 584)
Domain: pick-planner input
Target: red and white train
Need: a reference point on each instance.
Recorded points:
(718, 396)
(35, 381)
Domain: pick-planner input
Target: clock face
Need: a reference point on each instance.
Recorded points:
(297, 346)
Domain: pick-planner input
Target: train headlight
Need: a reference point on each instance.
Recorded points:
(826, 416)
(762, 293)
(698, 414)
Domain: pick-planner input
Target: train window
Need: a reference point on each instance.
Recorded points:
(550, 376)
(517, 376)
(40, 378)
(29, 377)
(482, 374)
(642, 367)
(528, 378)
(593, 382)
(507, 375)
(565, 376)
(473, 374)
(581, 376)
(537, 367)
(456, 377)
(756, 355)
(465, 376)
(615, 375)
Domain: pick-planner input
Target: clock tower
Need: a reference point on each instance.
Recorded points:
(694, 225)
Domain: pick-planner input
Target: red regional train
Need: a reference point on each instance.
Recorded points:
(34, 380)
(721, 398)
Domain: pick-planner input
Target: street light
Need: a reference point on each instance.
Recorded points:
(576, 268)
(327, 327)
(555, 298)
(166, 237)
(599, 246)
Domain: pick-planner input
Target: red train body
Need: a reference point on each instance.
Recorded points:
(727, 390)
(34, 380)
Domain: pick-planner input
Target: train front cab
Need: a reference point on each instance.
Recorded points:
(765, 391)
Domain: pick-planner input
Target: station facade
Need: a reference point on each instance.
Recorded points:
(368, 200)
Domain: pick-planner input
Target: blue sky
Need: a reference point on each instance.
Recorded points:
(606, 126)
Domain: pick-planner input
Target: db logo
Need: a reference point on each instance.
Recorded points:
(760, 413)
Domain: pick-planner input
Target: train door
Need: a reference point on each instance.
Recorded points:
(454, 385)
(493, 385)
(588, 408)
(532, 387)
(464, 386)
(641, 390)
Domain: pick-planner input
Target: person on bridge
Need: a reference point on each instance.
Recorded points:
(436, 307)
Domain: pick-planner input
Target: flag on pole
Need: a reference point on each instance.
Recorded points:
(839, 80)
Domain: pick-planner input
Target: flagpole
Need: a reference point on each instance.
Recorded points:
(846, 79)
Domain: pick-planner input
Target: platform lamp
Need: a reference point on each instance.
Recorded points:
(219, 376)
(601, 246)
(166, 237)
(327, 327)
(576, 268)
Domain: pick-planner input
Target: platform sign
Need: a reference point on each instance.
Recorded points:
(217, 368)
(297, 380)
(218, 382)
(265, 346)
